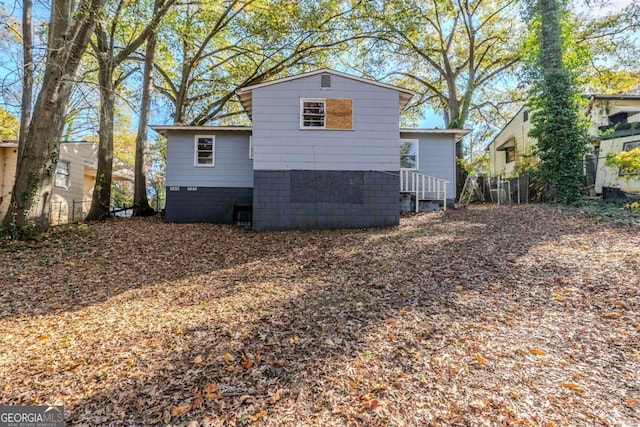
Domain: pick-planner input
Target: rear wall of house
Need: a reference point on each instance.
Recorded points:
(436, 158)
(208, 194)
(325, 178)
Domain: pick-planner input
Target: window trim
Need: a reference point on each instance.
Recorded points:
(67, 175)
(196, 150)
(508, 150)
(250, 147)
(417, 144)
(324, 117)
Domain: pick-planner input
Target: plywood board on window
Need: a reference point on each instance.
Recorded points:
(339, 113)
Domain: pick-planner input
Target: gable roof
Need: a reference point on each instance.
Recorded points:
(244, 93)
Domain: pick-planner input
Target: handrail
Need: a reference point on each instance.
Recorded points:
(424, 187)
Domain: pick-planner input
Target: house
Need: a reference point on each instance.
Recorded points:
(615, 126)
(325, 151)
(74, 180)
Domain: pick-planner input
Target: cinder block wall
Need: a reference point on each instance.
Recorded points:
(312, 199)
(205, 204)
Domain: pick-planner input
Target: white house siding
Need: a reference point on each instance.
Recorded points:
(436, 157)
(608, 176)
(233, 167)
(280, 144)
(8, 161)
(208, 194)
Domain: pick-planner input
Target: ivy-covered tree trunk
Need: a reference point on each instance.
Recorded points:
(69, 33)
(558, 124)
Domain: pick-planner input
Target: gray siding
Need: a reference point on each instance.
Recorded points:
(437, 157)
(303, 199)
(233, 168)
(280, 144)
(205, 204)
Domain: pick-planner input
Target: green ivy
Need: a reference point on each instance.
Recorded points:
(558, 124)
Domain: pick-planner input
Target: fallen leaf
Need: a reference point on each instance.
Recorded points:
(537, 352)
(43, 337)
(612, 315)
(246, 362)
(244, 398)
(477, 404)
(179, 410)
(56, 306)
(371, 404)
(197, 402)
(632, 402)
(481, 360)
(198, 360)
(572, 386)
(259, 415)
(211, 388)
(227, 357)
(275, 396)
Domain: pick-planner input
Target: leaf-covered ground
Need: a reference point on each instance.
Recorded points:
(517, 315)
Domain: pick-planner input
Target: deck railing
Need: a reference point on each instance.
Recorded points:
(424, 187)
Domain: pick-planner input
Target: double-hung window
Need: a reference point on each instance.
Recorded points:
(409, 154)
(204, 151)
(63, 174)
(313, 113)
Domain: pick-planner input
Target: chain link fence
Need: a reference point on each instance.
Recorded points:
(63, 212)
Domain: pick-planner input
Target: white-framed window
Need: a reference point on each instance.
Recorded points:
(204, 151)
(312, 113)
(63, 174)
(409, 154)
(251, 147)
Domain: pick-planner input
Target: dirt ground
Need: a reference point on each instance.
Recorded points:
(519, 315)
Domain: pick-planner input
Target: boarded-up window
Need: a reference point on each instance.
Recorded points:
(339, 114)
(326, 113)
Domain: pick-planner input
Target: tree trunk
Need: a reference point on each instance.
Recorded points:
(140, 201)
(27, 72)
(101, 198)
(69, 36)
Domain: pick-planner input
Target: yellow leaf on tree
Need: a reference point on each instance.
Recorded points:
(537, 352)
(179, 410)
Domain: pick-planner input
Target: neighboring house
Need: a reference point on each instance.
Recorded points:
(615, 127)
(74, 179)
(325, 151)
